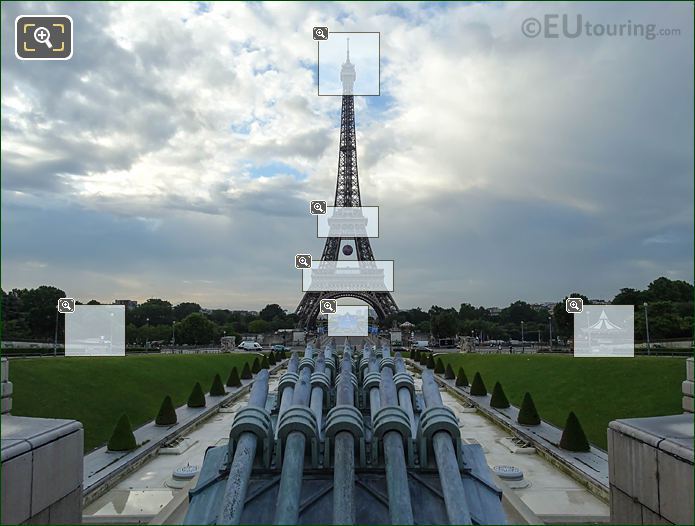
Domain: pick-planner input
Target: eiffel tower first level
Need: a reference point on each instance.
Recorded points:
(347, 194)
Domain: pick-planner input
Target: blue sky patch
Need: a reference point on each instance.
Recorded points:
(274, 169)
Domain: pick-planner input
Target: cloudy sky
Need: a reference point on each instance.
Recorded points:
(175, 154)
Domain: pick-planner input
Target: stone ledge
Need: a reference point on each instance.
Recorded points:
(34, 432)
(41, 467)
(671, 433)
(651, 469)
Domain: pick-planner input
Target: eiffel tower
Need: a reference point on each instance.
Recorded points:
(347, 194)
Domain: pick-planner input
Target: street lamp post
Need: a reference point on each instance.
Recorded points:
(550, 333)
(522, 338)
(147, 332)
(173, 333)
(646, 322)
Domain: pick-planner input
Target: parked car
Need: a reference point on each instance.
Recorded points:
(250, 346)
(280, 348)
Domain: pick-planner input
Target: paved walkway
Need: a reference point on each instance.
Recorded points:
(589, 467)
(103, 468)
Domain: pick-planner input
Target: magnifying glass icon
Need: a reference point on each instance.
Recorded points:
(302, 261)
(319, 33)
(573, 304)
(42, 36)
(318, 207)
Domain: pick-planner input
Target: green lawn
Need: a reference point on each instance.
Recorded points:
(96, 391)
(598, 390)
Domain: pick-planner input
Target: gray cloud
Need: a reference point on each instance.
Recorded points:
(504, 167)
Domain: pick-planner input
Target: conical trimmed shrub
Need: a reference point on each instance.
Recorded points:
(122, 438)
(498, 398)
(256, 367)
(439, 366)
(528, 414)
(461, 378)
(246, 372)
(167, 413)
(430, 361)
(197, 398)
(283, 355)
(478, 386)
(423, 358)
(271, 358)
(264, 363)
(449, 372)
(411, 354)
(573, 437)
(233, 378)
(217, 388)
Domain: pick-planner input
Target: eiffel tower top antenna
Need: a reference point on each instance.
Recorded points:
(347, 73)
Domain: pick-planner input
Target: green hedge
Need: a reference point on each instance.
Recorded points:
(528, 414)
(498, 399)
(461, 378)
(167, 413)
(122, 438)
(197, 397)
(478, 386)
(233, 379)
(430, 361)
(217, 389)
(573, 436)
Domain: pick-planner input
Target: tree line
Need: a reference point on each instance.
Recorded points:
(30, 314)
(669, 304)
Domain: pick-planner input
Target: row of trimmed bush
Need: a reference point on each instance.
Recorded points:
(573, 436)
(123, 439)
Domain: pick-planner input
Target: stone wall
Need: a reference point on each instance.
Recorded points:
(41, 467)
(651, 470)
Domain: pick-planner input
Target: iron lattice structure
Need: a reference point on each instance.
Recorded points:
(347, 194)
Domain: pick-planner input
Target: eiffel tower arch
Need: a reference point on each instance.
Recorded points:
(347, 194)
